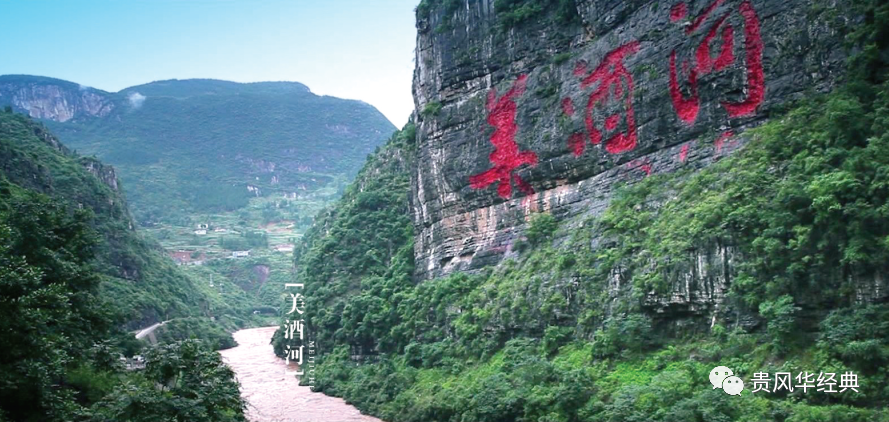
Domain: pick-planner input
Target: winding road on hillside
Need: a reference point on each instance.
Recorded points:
(147, 331)
(274, 397)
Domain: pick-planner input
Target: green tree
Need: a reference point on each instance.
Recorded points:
(49, 311)
(541, 228)
(781, 323)
(182, 381)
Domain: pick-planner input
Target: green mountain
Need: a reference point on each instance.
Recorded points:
(197, 146)
(73, 273)
(137, 278)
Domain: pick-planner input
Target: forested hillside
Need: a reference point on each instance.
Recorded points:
(73, 272)
(358, 256)
(581, 322)
(143, 285)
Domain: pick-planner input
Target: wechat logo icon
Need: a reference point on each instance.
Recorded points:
(723, 377)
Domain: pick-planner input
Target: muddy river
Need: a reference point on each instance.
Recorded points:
(273, 397)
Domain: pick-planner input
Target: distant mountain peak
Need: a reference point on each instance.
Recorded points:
(205, 144)
(54, 99)
(184, 88)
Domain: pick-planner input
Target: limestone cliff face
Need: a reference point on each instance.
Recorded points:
(103, 172)
(548, 114)
(49, 99)
(114, 203)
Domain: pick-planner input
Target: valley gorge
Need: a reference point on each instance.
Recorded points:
(594, 208)
(606, 200)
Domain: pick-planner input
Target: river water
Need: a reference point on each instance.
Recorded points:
(274, 397)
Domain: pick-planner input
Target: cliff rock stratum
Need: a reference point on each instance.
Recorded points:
(547, 106)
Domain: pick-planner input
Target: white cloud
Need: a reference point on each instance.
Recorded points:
(136, 99)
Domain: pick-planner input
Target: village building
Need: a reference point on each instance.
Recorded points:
(284, 247)
(183, 257)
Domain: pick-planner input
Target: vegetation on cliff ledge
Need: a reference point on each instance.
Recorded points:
(510, 13)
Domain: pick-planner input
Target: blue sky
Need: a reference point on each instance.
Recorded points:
(358, 49)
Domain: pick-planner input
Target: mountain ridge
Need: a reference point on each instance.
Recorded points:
(205, 145)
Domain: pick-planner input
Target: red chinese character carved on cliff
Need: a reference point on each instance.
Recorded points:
(720, 141)
(683, 153)
(506, 157)
(613, 82)
(687, 107)
(641, 165)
